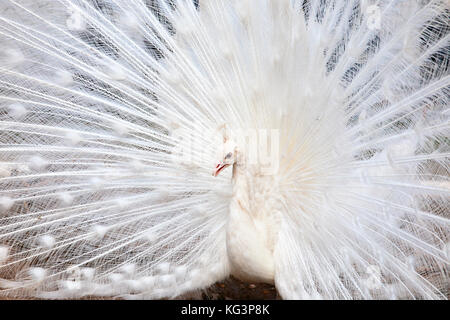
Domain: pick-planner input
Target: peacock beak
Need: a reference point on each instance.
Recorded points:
(219, 168)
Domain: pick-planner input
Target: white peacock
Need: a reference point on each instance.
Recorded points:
(98, 98)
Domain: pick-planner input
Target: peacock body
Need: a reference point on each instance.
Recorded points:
(118, 120)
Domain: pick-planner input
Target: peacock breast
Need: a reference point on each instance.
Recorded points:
(252, 228)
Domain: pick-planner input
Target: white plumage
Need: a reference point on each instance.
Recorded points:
(114, 114)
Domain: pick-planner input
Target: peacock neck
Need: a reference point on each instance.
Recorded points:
(249, 232)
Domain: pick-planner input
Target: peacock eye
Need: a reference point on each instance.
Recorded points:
(228, 156)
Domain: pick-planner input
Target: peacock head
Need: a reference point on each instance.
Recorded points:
(227, 157)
